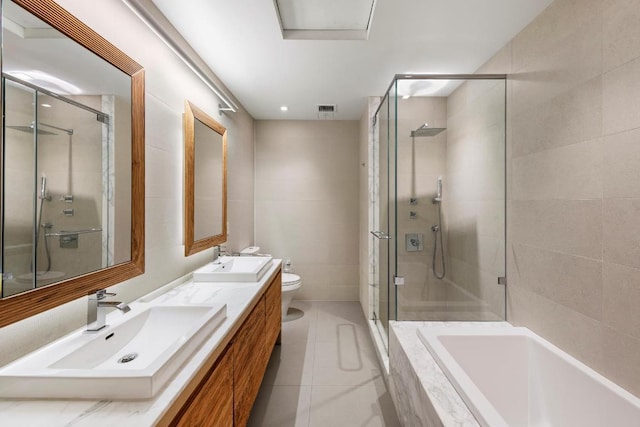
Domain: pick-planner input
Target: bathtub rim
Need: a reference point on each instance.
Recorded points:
(463, 384)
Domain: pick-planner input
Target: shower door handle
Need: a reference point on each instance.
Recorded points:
(381, 235)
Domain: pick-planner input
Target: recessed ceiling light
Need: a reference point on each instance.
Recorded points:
(46, 105)
(406, 96)
(284, 108)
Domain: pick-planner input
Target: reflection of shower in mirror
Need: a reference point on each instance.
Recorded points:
(61, 234)
(43, 274)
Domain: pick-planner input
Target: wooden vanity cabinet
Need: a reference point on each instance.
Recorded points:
(223, 392)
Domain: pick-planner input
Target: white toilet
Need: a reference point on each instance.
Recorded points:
(290, 284)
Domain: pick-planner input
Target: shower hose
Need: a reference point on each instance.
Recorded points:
(437, 230)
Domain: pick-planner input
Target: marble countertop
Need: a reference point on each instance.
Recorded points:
(50, 413)
(445, 401)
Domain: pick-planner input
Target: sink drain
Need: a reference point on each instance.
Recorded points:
(128, 358)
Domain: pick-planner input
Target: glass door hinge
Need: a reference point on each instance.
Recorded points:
(502, 280)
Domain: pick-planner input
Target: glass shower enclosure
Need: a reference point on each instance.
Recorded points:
(438, 220)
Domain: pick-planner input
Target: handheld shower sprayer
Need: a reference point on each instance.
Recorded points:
(438, 197)
(43, 188)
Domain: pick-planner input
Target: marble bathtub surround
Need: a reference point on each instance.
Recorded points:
(420, 390)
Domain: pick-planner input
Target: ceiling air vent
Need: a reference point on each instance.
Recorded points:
(326, 111)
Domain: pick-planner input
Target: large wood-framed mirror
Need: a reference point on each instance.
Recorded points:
(205, 181)
(72, 160)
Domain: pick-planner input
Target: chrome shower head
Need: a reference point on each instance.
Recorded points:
(425, 130)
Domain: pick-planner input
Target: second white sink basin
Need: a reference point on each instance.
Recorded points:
(132, 359)
(234, 269)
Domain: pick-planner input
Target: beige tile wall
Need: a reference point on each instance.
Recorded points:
(307, 202)
(168, 83)
(574, 162)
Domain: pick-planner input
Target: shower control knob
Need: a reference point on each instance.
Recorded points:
(435, 228)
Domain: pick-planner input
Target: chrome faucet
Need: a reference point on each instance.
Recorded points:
(96, 311)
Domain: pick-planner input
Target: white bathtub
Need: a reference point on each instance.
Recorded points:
(511, 377)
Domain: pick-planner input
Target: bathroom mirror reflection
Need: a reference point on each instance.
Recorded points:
(72, 162)
(205, 180)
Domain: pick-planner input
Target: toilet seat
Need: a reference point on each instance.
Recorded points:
(290, 280)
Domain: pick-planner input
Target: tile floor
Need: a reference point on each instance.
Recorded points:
(325, 372)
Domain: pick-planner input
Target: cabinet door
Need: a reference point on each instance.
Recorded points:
(249, 353)
(274, 311)
(212, 403)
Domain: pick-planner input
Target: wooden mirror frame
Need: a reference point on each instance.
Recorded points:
(191, 113)
(26, 304)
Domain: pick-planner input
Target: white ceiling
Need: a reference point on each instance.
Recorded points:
(242, 42)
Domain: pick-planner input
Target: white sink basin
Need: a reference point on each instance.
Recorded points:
(158, 340)
(234, 269)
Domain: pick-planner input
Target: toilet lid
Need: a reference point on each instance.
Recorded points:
(289, 279)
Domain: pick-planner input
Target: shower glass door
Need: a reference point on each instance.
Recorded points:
(380, 234)
(448, 216)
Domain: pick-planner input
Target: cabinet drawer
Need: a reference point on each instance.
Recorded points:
(211, 404)
(274, 311)
(249, 354)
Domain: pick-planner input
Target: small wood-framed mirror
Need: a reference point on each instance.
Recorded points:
(205, 181)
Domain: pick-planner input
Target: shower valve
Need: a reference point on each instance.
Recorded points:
(414, 242)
